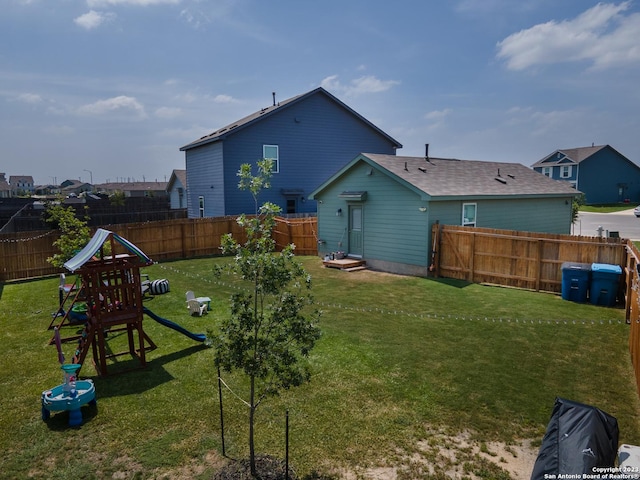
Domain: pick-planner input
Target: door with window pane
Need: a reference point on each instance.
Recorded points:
(355, 231)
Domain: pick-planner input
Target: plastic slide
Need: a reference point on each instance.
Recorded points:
(198, 337)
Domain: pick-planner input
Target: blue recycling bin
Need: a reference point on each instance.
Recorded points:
(604, 284)
(575, 281)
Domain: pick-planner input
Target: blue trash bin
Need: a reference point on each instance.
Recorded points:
(575, 281)
(604, 284)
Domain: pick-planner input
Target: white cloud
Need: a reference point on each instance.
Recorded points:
(602, 35)
(224, 99)
(93, 19)
(438, 114)
(195, 18)
(30, 98)
(122, 102)
(358, 86)
(142, 3)
(168, 112)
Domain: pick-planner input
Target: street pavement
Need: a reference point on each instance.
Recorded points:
(624, 222)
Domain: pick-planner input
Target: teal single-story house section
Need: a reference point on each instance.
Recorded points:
(381, 208)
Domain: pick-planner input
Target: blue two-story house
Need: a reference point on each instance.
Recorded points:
(602, 173)
(309, 137)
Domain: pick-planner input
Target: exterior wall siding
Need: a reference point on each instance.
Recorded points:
(174, 196)
(604, 173)
(547, 215)
(395, 231)
(205, 172)
(315, 137)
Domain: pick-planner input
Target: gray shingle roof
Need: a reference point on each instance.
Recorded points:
(576, 155)
(439, 177)
(177, 176)
(221, 133)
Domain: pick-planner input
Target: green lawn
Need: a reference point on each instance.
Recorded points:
(400, 358)
(609, 208)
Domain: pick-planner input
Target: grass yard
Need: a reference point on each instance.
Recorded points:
(609, 208)
(405, 366)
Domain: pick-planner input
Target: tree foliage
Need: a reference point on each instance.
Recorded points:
(75, 233)
(578, 202)
(117, 198)
(273, 325)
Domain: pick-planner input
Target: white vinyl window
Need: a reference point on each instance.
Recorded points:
(271, 152)
(201, 206)
(469, 214)
(546, 171)
(566, 170)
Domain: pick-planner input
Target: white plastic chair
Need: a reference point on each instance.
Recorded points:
(190, 295)
(64, 286)
(196, 308)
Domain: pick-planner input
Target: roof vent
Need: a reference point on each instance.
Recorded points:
(405, 167)
(510, 176)
(426, 152)
(422, 169)
(501, 180)
(274, 98)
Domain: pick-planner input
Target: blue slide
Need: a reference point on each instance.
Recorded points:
(198, 337)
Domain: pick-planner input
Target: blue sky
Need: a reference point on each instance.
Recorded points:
(111, 89)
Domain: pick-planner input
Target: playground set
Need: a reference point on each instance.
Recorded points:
(107, 299)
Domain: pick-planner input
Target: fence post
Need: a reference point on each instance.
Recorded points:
(472, 257)
(224, 454)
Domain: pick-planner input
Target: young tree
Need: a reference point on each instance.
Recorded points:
(74, 236)
(272, 326)
(578, 202)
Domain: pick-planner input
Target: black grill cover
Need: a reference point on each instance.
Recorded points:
(578, 438)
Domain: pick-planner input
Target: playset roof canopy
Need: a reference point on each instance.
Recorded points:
(94, 245)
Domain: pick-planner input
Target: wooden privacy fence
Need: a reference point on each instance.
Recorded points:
(633, 307)
(517, 259)
(24, 255)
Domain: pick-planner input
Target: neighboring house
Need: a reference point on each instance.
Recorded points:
(21, 185)
(48, 189)
(177, 189)
(74, 187)
(5, 189)
(381, 208)
(602, 173)
(308, 137)
(135, 189)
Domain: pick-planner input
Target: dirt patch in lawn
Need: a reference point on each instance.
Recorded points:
(456, 457)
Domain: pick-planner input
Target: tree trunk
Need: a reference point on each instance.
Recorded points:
(252, 410)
